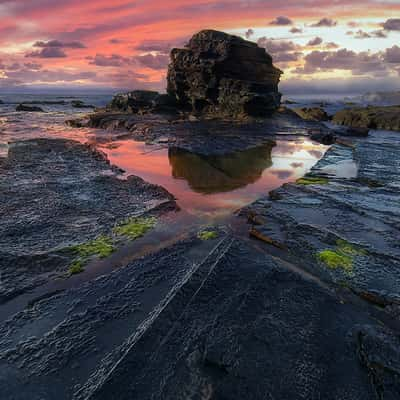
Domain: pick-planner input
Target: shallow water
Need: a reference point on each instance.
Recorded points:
(208, 189)
(212, 186)
(216, 185)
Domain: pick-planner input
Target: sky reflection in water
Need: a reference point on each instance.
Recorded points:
(216, 185)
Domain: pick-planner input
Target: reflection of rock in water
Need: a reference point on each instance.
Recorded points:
(214, 174)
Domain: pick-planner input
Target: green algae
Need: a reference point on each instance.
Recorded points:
(342, 256)
(102, 247)
(207, 235)
(76, 267)
(312, 180)
(334, 260)
(135, 228)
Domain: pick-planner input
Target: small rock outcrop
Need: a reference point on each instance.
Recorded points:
(224, 75)
(24, 107)
(80, 104)
(312, 113)
(143, 101)
(215, 75)
(387, 118)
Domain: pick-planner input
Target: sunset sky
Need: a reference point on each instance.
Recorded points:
(322, 46)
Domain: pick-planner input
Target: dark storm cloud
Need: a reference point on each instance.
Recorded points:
(58, 43)
(360, 34)
(324, 22)
(315, 42)
(159, 61)
(392, 55)
(113, 60)
(296, 30)
(287, 57)
(392, 24)
(281, 20)
(282, 51)
(277, 46)
(48, 52)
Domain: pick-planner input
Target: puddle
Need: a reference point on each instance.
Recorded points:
(208, 189)
(216, 185)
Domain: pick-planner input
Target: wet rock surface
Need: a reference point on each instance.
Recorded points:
(56, 194)
(235, 323)
(80, 104)
(28, 108)
(208, 319)
(348, 206)
(372, 117)
(312, 113)
(49, 350)
(205, 137)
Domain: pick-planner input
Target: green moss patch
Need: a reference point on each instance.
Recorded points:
(342, 256)
(76, 267)
(134, 228)
(334, 260)
(102, 247)
(207, 235)
(312, 180)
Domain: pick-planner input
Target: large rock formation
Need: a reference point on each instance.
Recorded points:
(216, 75)
(223, 74)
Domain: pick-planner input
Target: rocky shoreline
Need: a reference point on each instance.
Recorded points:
(372, 117)
(295, 296)
(57, 194)
(315, 295)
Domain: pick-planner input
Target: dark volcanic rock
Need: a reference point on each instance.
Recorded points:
(54, 194)
(133, 101)
(351, 131)
(142, 102)
(205, 137)
(244, 326)
(24, 107)
(387, 118)
(220, 74)
(349, 207)
(326, 138)
(80, 104)
(233, 323)
(312, 113)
